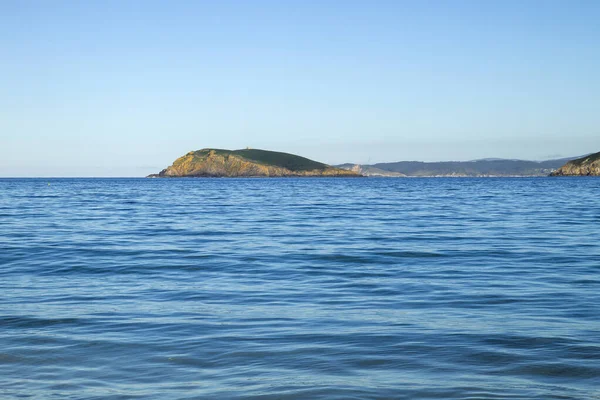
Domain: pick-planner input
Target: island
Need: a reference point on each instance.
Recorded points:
(584, 166)
(248, 163)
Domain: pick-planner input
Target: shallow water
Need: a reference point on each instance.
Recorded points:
(300, 288)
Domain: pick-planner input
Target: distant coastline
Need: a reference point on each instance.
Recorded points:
(256, 163)
(486, 168)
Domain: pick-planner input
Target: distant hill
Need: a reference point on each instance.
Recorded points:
(369, 170)
(585, 166)
(475, 168)
(247, 163)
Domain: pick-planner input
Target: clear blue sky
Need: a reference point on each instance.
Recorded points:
(122, 88)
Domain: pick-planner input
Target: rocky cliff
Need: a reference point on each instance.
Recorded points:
(585, 166)
(247, 163)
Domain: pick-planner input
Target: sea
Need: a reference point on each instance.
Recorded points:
(300, 288)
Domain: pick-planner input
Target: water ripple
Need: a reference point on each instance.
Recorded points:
(300, 288)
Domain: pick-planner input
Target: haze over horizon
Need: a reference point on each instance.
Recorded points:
(122, 88)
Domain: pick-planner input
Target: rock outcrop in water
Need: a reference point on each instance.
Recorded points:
(584, 166)
(248, 163)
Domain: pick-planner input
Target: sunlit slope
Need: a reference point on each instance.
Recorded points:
(584, 166)
(248, 163)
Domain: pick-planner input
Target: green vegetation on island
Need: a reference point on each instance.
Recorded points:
(248, 163)
(584, 166)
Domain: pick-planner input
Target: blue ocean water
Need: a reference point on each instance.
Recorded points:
(300, 288)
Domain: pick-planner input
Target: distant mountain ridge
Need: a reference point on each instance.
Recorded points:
(488, 167)
(247, 163)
